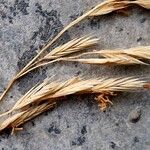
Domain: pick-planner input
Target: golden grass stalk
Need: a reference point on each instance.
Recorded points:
(55, 90)
(143, 3)
(117, 60)
(46, 95)
(101, 9)
(52, 91)
(113, 5)
(71, 47)
(66, 49)
(20, 118)
(141, 52)
(135, 55)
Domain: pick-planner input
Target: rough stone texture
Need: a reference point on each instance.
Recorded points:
(77, 123)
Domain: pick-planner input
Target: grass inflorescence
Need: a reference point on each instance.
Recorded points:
(45, 96)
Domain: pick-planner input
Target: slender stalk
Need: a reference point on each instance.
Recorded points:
(101, 9)
(8, 87)
(68, 48)
(46, 95)
(54, 90)
(18, 119)
(131, 56)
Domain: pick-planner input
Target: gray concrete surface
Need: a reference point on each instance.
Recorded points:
(77, 123)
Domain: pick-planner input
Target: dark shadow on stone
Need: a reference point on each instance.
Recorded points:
(50, 26)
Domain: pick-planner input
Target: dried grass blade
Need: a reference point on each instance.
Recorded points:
(70, 47)
(51, 92)
(55, 90)
(16, 120)
(113, 5)
(102, 8)
(135, 55)
(117, 60)
(33, 112)
(143, 3)
(8, 121)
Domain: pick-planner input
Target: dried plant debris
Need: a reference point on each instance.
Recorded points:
(18, 119)
(143, 3)
(44, 96)
(137, 55)
(105, 7)
(113, 5)
(54, 90)
(73, 46)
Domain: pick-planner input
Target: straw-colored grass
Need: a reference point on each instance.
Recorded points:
(105, 7)
(113, 5)
(46, 95)
(73, 46)
(143, 3)
(136, 55)
(54, 90)
(20, 118)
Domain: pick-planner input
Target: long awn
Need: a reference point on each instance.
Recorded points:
(105, 7)
(44, 96)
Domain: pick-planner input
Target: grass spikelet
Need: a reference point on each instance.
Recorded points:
(108, 6)
(117, 60)
(17, 119)
(113, 5)
(6, 123)
(66, 49)
(135, 55)
(71, 47)
(52, 91)
(143, 3)
(46, 95)
(103, 8)
(141, 52)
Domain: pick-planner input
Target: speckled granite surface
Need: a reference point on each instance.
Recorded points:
(77, 123)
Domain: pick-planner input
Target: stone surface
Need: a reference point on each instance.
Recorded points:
(77, 123)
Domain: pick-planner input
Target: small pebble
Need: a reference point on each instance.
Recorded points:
(120, 29)
(32, 122)
(139, 39)
(143, 20)
(136, 139)
(134, 115)
(83, 130)
(112, 145)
